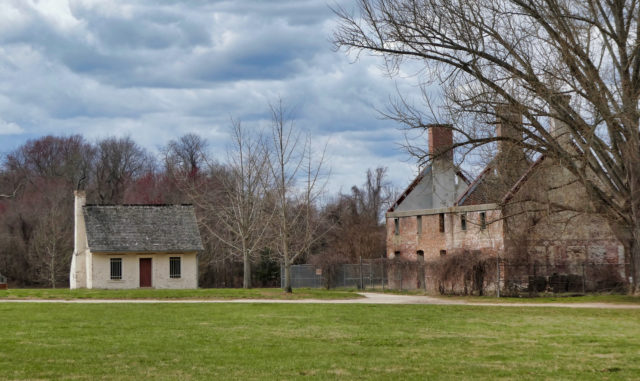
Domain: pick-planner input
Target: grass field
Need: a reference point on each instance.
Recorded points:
(284, 341)
(541, 298)
(203, 293)
(569, 299)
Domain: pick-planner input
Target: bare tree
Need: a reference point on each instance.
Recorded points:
(118, 161)
(69, 158)
(531, 55)
(297, 184)
(186, 156)
(241, 216)
(51, 246)
(356, 228)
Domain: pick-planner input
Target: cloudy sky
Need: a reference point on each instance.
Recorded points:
(157, 69)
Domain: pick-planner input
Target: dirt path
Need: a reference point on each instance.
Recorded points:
(369, 298)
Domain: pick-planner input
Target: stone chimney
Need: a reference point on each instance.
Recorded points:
(559, 129)
(510, 161)
(508, 125)
(77, 273)
(443, 175)
(440, 141)
(79, 231)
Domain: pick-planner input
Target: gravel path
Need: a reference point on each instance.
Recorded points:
(369, 298)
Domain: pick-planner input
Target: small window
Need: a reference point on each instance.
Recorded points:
(174, 267)
(463, 222)
(441, 222)
(443, 253)
(483, 220)
(420, 256)
(116, 268)
(419, 218)
(397, 254)
(396, 223)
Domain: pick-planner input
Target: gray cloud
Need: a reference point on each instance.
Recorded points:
(154, 70)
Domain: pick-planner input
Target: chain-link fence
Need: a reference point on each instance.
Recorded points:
(479, 277)
(531, 279)
(368, 274)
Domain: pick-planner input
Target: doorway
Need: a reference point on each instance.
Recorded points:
(145, 272)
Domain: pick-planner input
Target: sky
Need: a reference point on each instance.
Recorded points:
(158, 69)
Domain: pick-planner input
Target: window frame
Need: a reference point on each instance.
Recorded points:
(115, 264)
(463, 222)
(396, 224)
(419, 224)
(483, 220)
(175, 267)
(441, 223)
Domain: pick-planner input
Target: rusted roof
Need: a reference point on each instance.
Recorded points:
(142, 228)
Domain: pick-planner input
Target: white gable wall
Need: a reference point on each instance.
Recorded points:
(437, 189)
(420, 197)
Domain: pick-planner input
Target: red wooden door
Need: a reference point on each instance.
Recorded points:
(145, 272)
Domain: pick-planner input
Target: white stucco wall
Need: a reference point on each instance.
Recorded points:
(101, 271)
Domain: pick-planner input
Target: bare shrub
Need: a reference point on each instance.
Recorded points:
(466, 272)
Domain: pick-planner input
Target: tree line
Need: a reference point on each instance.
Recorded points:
(261, 207)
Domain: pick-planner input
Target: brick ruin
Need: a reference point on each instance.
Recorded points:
(520, 216)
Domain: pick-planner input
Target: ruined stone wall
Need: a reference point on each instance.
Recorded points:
(551, 224)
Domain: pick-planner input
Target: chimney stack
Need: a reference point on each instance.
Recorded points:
(440, 141)
(79, 231)
(508, 125)
(559, 129)
(510, 161)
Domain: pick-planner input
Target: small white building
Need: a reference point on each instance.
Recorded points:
(134, 246)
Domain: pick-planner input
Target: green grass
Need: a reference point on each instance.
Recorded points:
(285, 341)
(595, 298)
(541, 298)
(203, 293)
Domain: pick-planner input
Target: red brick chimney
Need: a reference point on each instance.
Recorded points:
(440, 140)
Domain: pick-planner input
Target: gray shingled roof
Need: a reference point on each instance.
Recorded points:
(142, 228)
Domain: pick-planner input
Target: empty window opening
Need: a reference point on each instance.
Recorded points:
(420, 255)
(483, 220)
(116, 268)
(463, 222)
(397, 254)
(441, 222)
(174, 267)
(419, 223)
(443, 253)
(396, 223)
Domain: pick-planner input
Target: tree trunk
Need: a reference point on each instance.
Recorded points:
(246, 277)
(634, 259)
(287, 276)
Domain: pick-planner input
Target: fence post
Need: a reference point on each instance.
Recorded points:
(383, 264)
(498, 280)
(344, 276)
(584, 281)
(361, 276)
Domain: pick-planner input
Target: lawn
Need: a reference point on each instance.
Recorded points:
(541, 298)
(202, 293)
(569, 299)
(285, 341)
